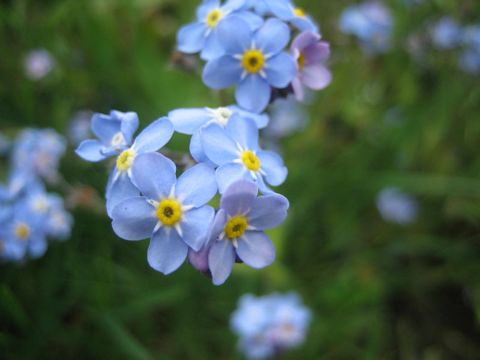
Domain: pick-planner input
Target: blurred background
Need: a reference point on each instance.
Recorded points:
(383, 237)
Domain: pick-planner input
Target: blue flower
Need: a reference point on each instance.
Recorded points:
(120, 185)
(371, 22)
(235, 150)
(285, 10)
(114, 133)
(192, 121)
(254, 61)
(203, 35)
(270, 324)
(173, 213)
(446, 34)
(397, 207)
(238, 229)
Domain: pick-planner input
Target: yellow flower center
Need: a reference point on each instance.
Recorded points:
(301, 61)
(250, 160)
(236, 227)
(125, 160)
(253, 61)
(214, 17)
(22, 231)
(169, 212)
(299, 12)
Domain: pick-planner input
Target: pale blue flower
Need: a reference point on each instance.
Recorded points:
(253, 61)
(446, 33)
(173, 213)
(397, 207)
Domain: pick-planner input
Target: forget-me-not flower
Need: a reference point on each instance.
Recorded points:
(285, 10)
(173, 213)
(192, 121)
(203, 35)
(238, 229)
(38, 63)
(235, 150)
(254, 61)
(311, 55)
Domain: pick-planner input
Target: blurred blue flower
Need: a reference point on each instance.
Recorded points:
(192, 121)
(287, 116)
(79, 127)
(269, 325)
(446, 33)
(38, 63)
(235, 150)
(285, 10)
(37, 153)
(203, 35)
(120, 185)
(238, 229)
(397, 207)
(371, 22)
(114, 133)
(470, 57)
(254, 61)
(173, 213)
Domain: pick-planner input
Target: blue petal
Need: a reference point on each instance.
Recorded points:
(260, 119)
(105, 127)
(252, 19)
(37, 246)
(280, 8)
(229, 173)
(197, 185)
(272, 37)
(272, 165)
(234, 35)
(154, 175)
(195, 226)
(199, 259)
(220, 261)
(244, 132)
(188, 121)
(196, 149)
(218, 146)
(206, 7)
(304, 24)
(129, 124)
(167, 251)
(122, 188)
(134, 219)
(217, 227)
(212, 48)
(256, 249)
(253, 93)
(239, 198)
(90, 150)
(191, 38)
(233, 5)
(222, 72)
(268, 211)
(281, 70)
(154, 136)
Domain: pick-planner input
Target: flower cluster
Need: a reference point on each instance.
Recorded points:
(371, 22)
(29, 215)
(245, 45)
(145, 199)
(269, 325)
(447, 34)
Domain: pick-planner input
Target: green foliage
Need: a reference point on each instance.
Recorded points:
(378, 291)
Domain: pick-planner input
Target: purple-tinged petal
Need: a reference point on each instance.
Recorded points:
(195, 226)
(134, 219)
(304, 40)
(268, 211)
(122, 188)
(196, 186)
(272, 164)
(90, 150)
(229, 173)
(167, 251)
(222, 73)
(239, 198)
(154, 175)
(298, 89)
(272, 37)
(281, 70)
(154, 136)
(256, 249)
(218, 146)
(253, 93)
(220, 261)
(319, 52)
(191, 38)
(316, 76)
(188, 121)
(199, 259)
